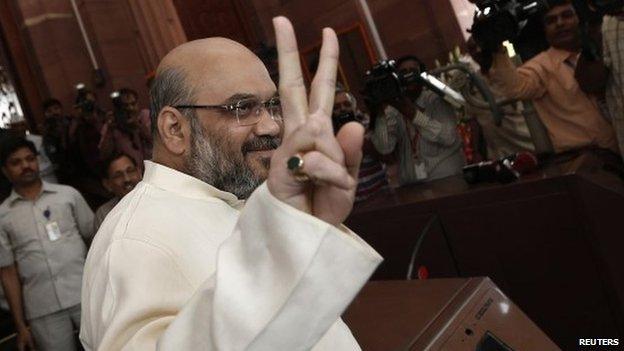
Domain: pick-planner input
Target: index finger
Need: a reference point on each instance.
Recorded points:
(291, 85)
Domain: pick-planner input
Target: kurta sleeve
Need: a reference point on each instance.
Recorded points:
(521, 83)
(282, 280)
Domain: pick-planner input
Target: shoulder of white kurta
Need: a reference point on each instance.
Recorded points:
(189, 229)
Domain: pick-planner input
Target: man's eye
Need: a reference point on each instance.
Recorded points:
(245, 106)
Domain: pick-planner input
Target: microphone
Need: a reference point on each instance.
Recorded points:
(447, 93)
(504, 170)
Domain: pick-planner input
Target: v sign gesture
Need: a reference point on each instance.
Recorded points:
(330, 162)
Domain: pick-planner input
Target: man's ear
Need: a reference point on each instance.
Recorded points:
(173, 130)
(107, 186)
(5, 172)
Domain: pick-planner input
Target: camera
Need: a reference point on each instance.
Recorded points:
(120, 114)
(385, 83)
(82, 102)
(498, 20)
(607, 6)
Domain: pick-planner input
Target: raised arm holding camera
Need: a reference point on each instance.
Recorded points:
(572, 117)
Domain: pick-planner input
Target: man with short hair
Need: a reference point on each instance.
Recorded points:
(21, 129)
(120, 174)
(42, 231)
(573, 118)
(233, 240)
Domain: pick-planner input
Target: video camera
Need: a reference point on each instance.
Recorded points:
(384, 83)
(607, 6)
(87, 105)
(120, 113)
(498, 20)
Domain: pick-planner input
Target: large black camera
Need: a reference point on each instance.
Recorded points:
(120, 114)
(607, 6)
(498, 20)
(385, 83)
(85, 104)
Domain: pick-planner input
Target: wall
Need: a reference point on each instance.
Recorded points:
(129, 37)
(426, 28)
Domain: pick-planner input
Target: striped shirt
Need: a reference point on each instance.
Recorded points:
(613, 44)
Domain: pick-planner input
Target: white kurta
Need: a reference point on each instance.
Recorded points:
(180, 265)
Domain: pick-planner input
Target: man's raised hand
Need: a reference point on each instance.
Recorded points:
(331, 162)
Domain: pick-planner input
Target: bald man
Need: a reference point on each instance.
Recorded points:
(233, 240)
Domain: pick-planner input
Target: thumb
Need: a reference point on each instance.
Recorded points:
(350, 137)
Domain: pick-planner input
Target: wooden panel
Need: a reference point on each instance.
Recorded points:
(550, 241)
(388, 233)
(535, 251)
(210, 18)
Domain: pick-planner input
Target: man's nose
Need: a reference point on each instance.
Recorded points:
(267, 125)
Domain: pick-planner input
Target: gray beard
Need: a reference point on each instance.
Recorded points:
(211, 162)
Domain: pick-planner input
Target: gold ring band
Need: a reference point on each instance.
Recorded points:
(295, 166)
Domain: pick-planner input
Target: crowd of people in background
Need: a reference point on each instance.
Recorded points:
(52, 183)
(421, 137)
(98, 156)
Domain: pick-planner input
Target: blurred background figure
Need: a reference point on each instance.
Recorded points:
(513, 134)
(372, 177)
(601, 73)
(44, 229)
(125, 131)
(120, 174)
(55, 130)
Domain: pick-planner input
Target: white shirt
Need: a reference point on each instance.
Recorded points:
(180, 265)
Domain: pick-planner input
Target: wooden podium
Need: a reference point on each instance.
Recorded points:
(551, 241)
(441, 314)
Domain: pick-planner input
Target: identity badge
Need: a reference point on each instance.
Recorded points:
(53, 230)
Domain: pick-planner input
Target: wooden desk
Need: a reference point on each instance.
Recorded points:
(439, 314)
(552, 242)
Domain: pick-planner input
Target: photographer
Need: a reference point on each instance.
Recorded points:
(605, 75)
(55, 137)
(512, 135)
(433, 141)
(124, 132)
(84, 132)
(572, 118)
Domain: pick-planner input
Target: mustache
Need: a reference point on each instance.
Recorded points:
(26, 171)
(261, 143)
